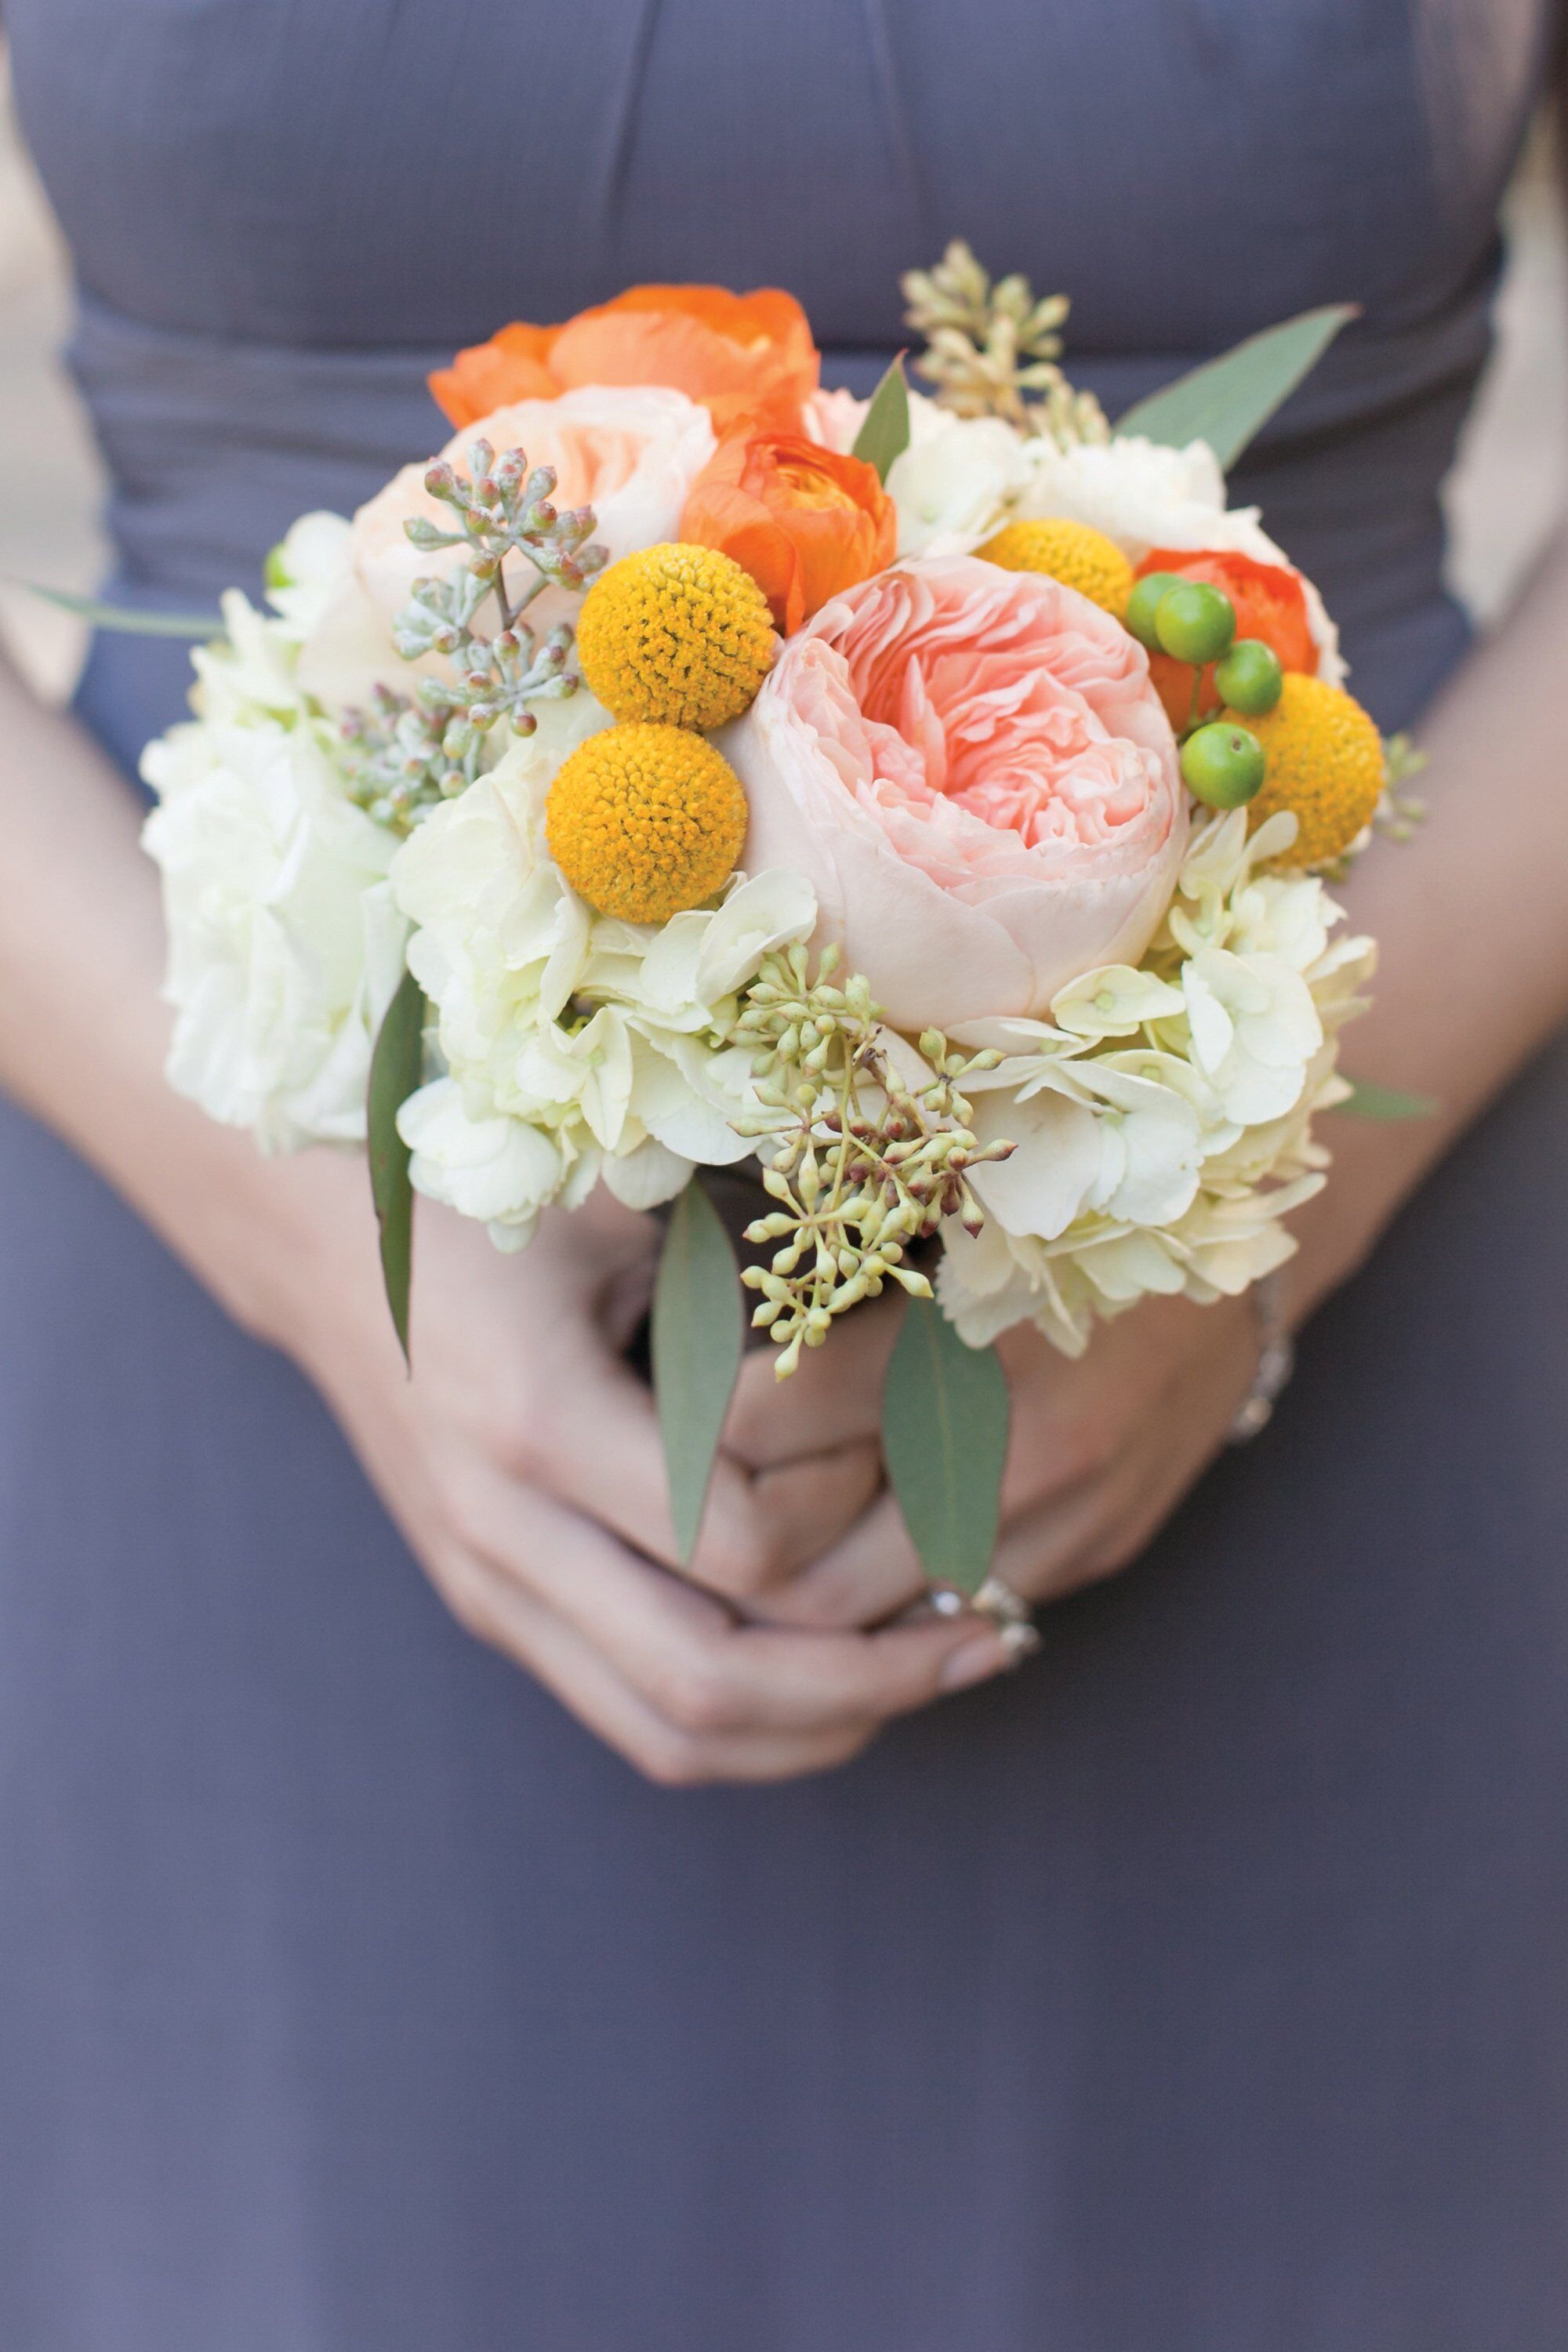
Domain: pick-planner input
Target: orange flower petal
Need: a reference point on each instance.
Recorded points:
(748, 358)
(513, 365)
(805, 521)
(743, 355)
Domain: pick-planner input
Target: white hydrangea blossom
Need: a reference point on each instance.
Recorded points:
(284, 946)
(1163, 1116)
(573, 1045)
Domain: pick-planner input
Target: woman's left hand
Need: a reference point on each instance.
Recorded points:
(1102, 1449)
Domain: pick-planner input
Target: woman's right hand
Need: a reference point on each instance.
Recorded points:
(521, 1461)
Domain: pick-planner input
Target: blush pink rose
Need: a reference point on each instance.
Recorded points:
(972, 768)
(630, 452)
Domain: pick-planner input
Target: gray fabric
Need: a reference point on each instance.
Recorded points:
(1197, 1991)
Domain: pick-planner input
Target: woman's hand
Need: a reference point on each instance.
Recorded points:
(1102, 1449)
(522, 1462)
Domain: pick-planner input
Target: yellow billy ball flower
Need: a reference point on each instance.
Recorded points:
(1323, 758)
(1069, 551)
(676, 634)
(646, 820)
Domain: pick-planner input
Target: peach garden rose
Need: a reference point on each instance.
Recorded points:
(974, 772)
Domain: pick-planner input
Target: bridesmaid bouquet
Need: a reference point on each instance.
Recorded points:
(927, 800)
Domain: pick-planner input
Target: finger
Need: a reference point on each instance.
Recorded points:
(1131, 1506)
(870, 1574)
(512, 1621)
(835, 1397)
(1057, 1545)
(686, 1655)
(810, 1506)
(593, 1442)
(752, 1537)
(1101, 1526)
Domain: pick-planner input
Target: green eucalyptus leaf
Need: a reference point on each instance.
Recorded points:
(1366, 1101)
(397, 1068)
(945, 1411)
(698, 1328)
(126, 618)
(884, 432)
(1226, 400)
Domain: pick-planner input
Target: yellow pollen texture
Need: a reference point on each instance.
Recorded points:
(1073, 553)
(645, 820)
(1324, 759)
(677, 634)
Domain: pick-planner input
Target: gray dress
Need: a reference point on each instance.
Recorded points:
(1201, 1990)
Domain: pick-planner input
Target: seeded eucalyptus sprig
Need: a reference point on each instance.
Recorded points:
(989, 345)
(504, 511)
(406, 753)
(862, 1164)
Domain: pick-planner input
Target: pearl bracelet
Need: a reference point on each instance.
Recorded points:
(1275, 1361)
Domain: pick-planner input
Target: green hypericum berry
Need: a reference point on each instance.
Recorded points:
(1249, 677)
(1145, 603)
(1222, 764)
(1194, 623)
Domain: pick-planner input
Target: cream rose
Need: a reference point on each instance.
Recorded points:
(974, 771)
(630, 452)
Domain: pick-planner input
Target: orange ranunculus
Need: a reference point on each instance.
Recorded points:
(1269, 603)
(513, 365)
(804, 521)
(744, 356)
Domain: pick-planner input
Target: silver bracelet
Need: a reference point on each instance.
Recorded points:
(1275, 1361)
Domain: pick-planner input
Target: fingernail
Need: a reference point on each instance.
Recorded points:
(974, 1662)
(1020, 1640)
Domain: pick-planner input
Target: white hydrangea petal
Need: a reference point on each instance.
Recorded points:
(1041, 1188)
(985, 1284)
(1214, 1032)
(674, 1104)
(1275, 835)
(1216, 855)
(589, 1070)
(1132, 1266)
(500, 1171)
(1114, 1000)
(305, 570)
(765, 912)
(1161, 1151)
(1284, 1028)
(666, 977)
(1286, 916)
(647, 1176)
